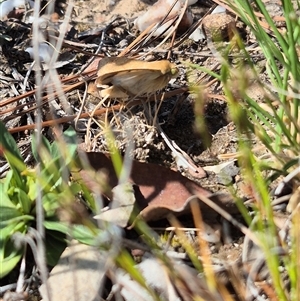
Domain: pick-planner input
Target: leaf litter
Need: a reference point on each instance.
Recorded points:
(158, 191)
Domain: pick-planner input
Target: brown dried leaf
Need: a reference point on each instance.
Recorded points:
(158, 11)
(158, 190)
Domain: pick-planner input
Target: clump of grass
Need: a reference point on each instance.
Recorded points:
(275, 122)
(20, 189)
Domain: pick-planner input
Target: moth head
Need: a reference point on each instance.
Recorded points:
(174, 71)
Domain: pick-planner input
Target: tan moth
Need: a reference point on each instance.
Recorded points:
(121, 77)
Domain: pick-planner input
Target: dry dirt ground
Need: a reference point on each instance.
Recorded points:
(176, 114)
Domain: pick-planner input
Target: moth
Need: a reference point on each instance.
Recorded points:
(122, 77)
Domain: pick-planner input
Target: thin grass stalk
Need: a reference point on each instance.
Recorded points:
(274, 123)
(269, 48)
(125, 261)
(283, 43)
(203, 246)
(185, 243)
(289, 131)
(38, 97)
(113, 151)
(241, 206)
(288, 46)
(296, 252)
(256, 181)
(292, 36)
(267, 232)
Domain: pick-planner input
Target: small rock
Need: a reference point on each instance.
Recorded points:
(218, 26)
(77, 276)
(226, 174)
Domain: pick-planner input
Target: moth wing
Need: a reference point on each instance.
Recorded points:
(112, 92)
(108, 67)
(104, 77)
(137, 82)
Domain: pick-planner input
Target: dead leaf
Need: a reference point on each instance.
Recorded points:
(120, 77)
(157, 210)
(8, 8)
(158, 190)
(158, 11)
